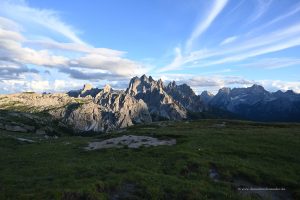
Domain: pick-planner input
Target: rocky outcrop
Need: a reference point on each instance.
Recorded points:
(106, 111)
(16, 121)
(206, 97)
(160, 104)
(109, 110)
(185, 96)
(99, 110)
(87, 90)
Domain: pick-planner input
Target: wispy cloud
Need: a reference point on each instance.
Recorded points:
(257, 52)
(294, 10)
(261, 7)
(228, 40)
(272, 63)
(231, 50)
(278, 40)
(71, 57)
(19, 11)
(201, 27)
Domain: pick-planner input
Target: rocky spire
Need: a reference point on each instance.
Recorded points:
(106, 88)
(144, 78)
(87, 87)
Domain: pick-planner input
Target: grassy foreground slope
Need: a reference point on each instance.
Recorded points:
(261, 154)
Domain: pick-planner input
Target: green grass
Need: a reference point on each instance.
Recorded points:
(262, 153)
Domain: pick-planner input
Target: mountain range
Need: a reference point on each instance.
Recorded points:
(145, 100)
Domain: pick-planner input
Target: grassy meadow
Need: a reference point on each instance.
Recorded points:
(262, 154)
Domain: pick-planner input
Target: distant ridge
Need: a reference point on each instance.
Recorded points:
(145, 100)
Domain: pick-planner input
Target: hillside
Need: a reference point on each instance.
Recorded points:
(212, 159)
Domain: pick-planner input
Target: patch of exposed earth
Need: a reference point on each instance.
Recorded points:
(130, 141)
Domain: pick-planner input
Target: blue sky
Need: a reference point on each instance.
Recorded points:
(60, 45)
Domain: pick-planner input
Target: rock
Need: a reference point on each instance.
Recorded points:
(29, 128)
(160, 104)
(185, 96)
(130, 141)
(87, 87)
(15, 128)
(110, 110)
(2, 126)
(255, 103)
(206, 97)
(86, 91)
(25, 140)
(40, 132)
(145, 100)
(107, 88)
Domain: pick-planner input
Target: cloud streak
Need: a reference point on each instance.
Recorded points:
(49, 19)
(261, 8)
(201, 27)
(71, 57)
(228, 40)
(278, 40)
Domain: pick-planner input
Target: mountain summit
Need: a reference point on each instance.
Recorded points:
(144, 101)
(161, 105)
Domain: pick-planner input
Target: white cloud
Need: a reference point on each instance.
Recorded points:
(36, 83)
(176, 63)
(294, 10)
(265, 50)
(228, 40)
(16, 48)
(49, 43)
(275, 85)
(10, 35)
(272, 63)
(9, 24)
(201, 27)
(261, 8)
(116, 65)
(20, 11)
(278, 40)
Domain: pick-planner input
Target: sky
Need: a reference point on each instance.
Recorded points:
(56, 46)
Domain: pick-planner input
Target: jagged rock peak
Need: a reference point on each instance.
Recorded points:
(225, 90)
(160, 83)
(106, 88)
(257, 87)
(87, 87)
(290, 92)
(172, 84)
(144, 78)
(206, 93)
(206, 96)
(151, 79)
(154, 94)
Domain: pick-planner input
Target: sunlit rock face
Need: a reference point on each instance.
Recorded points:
(107, 110)
(160, 104)
(145, 100)
(185, 96)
